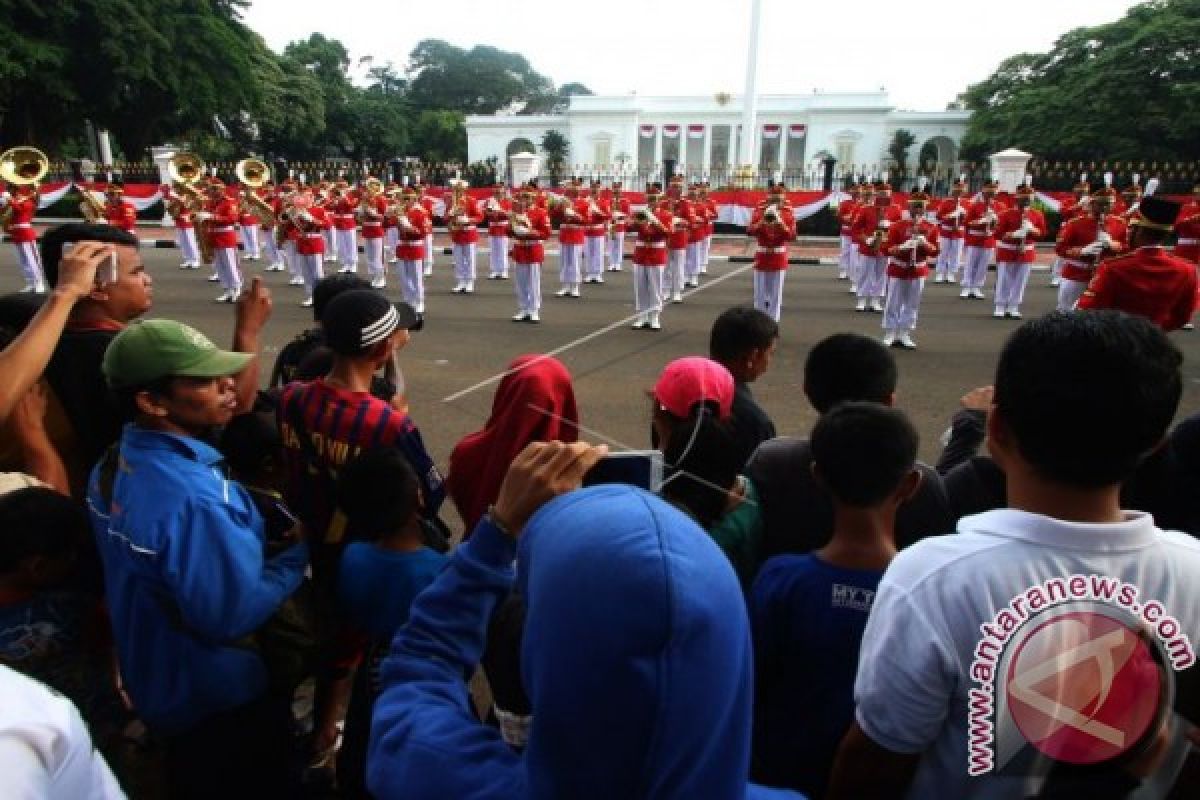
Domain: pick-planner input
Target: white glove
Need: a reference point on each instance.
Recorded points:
(203, 215)
(908, 245)
(885, 224)
(1104, 239)
(1093, 249)
(991, 217)
(923, 242)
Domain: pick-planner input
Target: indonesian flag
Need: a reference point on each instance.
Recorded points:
(695, 131)
(771, 131)
(647, 131)
(670, 131)
(797, 131)
(51, 193)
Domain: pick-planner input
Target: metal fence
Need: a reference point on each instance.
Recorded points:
(1176, 177)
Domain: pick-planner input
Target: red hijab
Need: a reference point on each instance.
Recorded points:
(534, 403)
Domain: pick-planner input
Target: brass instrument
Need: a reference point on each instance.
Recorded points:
(186, 171)
(519, 222)
(771, 214)
(21, 166)
(255, 174)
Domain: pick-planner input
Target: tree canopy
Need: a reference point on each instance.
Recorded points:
(1129, 89)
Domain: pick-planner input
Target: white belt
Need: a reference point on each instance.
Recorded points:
(950, 228)
(652, 244)
(344, 217)
(224, 229)
(596, 229)
(773, 249)
(313, 236)
(1029, 248)
(1184, 242)
(22, 225)
(1074, 262)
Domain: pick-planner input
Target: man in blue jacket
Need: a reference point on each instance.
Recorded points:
(636, 653)
(184, 567)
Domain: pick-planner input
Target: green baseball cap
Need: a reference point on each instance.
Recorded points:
(158, 348)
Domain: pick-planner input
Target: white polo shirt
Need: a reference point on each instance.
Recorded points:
(960, 618)
(45, 749)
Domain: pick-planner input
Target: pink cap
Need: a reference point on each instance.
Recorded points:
(691, 380)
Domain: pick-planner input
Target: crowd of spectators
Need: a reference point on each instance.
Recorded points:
(235, 592)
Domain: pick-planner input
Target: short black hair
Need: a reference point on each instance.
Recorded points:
(739, 330)
(848, 367)
(1086, 395)
(54, 239)
(249, 441)
(39, 522)
(330, 287)
(862, 451)
(378, 491)
(125, 397)
(18, 309)
(704, 450)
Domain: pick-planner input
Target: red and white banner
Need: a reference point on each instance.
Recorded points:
(51, 193)
(695, 131)
(797, 131)
(647, 131)
(771, 131)
(140, 195)
(670, 131)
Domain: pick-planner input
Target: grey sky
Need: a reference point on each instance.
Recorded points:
(924, 52)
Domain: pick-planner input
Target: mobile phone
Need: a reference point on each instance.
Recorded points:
(106, 272)
(642, 468)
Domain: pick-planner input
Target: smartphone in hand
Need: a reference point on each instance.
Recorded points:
(106, 272)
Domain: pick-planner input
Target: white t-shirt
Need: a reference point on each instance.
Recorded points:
(45, 750)
(958, 619)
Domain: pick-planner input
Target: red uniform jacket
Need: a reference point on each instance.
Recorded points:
(345, 211)
(1187, 228)
(122, 215)
(527, 247)
(951, 227)
(268, 196)
(910, 263)
(596, 219)
(497, 221)
(772, 252)
(327, 217)
(847, 210)
(678, 238)
(247, 217)
(867, 221)
(1081, 232)
(651, 247)
(411, 246)
(980, 233)
(180, 213)
(1071, 209)
(372, 224)
(468, 233)
(622, 207)
(570, 229)
(699, 225)
(20, 224)
(1148, 282)
(1010, 248)
(310, 241)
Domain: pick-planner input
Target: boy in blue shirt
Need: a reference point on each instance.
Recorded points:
(808, 611)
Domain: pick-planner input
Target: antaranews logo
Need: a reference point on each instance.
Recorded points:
(1075, 666)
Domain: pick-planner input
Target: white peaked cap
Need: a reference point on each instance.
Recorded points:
(1136, 179)
(922, 182)
(1108, 178)
(1151, 187)
(1083, 177)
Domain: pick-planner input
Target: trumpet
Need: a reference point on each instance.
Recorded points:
(771, 214)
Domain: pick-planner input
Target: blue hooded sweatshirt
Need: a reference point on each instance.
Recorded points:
(636, 657)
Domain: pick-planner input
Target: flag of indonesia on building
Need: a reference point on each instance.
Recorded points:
(695, 131)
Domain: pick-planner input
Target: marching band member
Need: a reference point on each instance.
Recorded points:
(1068, 211)
(426, 202)
(618, 211)
(266, 230)
(846, 211)
(391, 231)
(345, 227)
(413, 224)
(1131, 195)
(1086, 241)
(866, 199)
(371, 209)
(308, 219)
(697, 230)
(710, 227)
(677, 241)
(185, 228)
(652, 226)
(870, 231)
(980, 241)
(497, 210)
(1016, 233)
(118, 211)
(222, 215)
(529, 226)
(773, 227)
(595, 228)
(287, 235)
(324, 197)
(462, 217)
(1187, 228)
(950, 214)
(911, 242)
(249, 221)
(21, 206)
(571, 239)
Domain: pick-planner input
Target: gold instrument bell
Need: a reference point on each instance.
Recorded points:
(253, 173)
(23, 166)
(186, 169)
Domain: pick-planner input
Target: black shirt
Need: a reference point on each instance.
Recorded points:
(305, 344)
(75, 376)
(751, 425)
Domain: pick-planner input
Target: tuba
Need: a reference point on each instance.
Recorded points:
(187, 171)
(255, 174)
(21, 166)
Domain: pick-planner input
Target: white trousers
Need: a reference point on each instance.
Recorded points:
(856, 266)
(330, 244)
(31, 265)
(593, 250)
(846, 255)
(429, 250)
(188, 248)
(347, 248)
(1011, 277)
(1069, 292)
(412, 283)
(568, 266)
(704, 253)
(647, 288)
(949, 257)
(498, 255)
(229, 273)
(270, 249)
(1056, 269)
(616, 249)
(250, 240)
(391, 239)
(464, 263)
(290, 258)
(871, 276)
(902, 304)
(373, 248)
(768, 291)
(310, 269)
(692, 261)
(673, 277)
(528, 287)
(976, 267)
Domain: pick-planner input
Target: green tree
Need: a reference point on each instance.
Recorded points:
(898, 149)
(1126, 90)
(555, 102)
(482, 80)
(376, 128)
(439, 136)
(557, 149)
(291, 118)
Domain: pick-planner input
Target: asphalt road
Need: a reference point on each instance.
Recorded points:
(469, 339)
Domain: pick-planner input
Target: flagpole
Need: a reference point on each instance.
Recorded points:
(750, 95)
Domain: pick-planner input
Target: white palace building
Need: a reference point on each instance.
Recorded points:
(794, 134)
